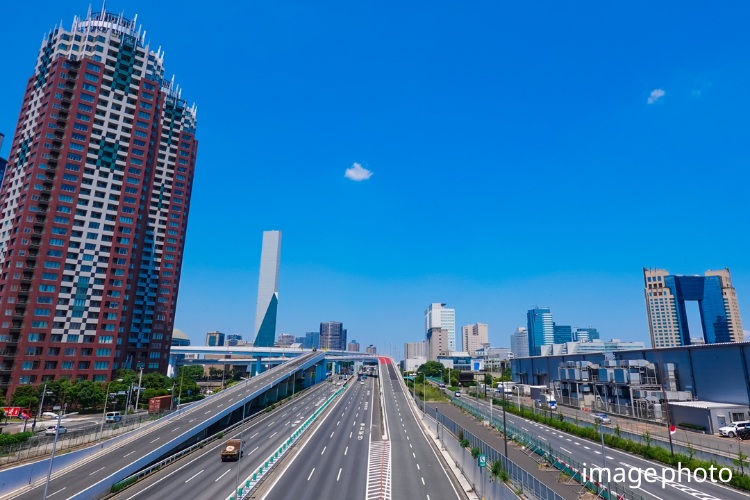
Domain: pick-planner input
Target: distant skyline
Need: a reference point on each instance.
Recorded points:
(491, 156)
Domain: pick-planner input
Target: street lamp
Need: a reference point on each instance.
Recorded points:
(242, 427)
(54, 447)
(41, 405)
(104, 413)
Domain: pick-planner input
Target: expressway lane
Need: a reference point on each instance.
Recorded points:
(333, 462)
(216, 479)
(96, 471)
(639, 480)
(418, 473)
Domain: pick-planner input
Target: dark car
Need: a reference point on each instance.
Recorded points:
(743, 433)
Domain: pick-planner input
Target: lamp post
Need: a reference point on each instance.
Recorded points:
(41, 405)
(505, 429)
(138, 396)
(242, 444)
(104, 413)
(54, 447)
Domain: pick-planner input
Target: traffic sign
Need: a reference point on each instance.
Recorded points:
(482, 460)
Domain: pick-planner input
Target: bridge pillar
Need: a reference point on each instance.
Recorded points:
(258, 369)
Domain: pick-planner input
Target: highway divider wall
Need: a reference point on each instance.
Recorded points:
(256, 477)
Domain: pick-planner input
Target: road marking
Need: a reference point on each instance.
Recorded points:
(598, 452)
(196, 475)
(272, 435)
(155, 440)
(269, 425)
(338, 475)
(311, 473)
(97, 470)
(128, 454)
(329, 437)
(175, 429)
(587, 447)
(324, 450)
(414, 454)
(350, 434)
(410, 446)
(422, 481)
(209, 411)
(55, 493)
(227, 472)
(337, 423)
(418, 467)
(254, 435)
(347, 449)
(287, 423)
(566, 451)
(253, 450)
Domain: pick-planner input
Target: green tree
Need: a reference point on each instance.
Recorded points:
(431, 368)
(26, 396)
(86, 394)
(740, 461)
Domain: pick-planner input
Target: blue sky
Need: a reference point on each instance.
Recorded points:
(522, 153)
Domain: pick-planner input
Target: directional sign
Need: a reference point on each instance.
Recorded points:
(482, 460)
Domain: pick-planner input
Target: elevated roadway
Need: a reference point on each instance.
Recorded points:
(112, 461)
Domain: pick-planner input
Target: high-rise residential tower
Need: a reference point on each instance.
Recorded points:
(3, 161)
(666, 295)
(94, 205)
(415, 349)
(475, 337)
(268, 290)
(439, 316)
(333, 336)
(541, 329)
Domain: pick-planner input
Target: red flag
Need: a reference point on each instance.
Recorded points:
(672, 429)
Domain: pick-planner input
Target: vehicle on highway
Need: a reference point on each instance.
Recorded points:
(743, 433)
(458, 394)
(442, 386)
(49, 414)
(232, 450)
(53, 429)
(112, 416)
(602, 418)
(731, 429)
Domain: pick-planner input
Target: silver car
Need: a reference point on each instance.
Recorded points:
(602, 418)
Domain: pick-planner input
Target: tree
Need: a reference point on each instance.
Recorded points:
(431, 368)
(26, 396)
(86, 394)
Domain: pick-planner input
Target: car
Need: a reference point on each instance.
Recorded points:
(601, 418)
(53, 429)
(732, 429)
(458, 394)
(743, 433)
(112, 416)
(49, 414)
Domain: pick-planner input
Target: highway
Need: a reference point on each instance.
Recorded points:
(141, 443)
(333, 462)
(205, 472)
(581, 450)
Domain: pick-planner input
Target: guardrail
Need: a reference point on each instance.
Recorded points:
(253, 480)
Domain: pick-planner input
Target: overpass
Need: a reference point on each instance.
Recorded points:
(256, 359)
(118, 458)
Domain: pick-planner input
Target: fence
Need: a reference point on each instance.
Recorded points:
(41, 445)
(556, 458)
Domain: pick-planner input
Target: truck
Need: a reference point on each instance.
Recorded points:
(159, 404)
(232, 450)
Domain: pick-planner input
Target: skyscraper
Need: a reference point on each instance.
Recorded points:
(332, 336)
(353, 346)
(519, 343)
(215, 339)
(541, 329)
(439, 316)
(475, 337)
(94, 204)
(585, 334)
(3, 161)
(437, 343)
(268, 290)
(415, 350)
(666, 295)
(312, 340)
(562, 333)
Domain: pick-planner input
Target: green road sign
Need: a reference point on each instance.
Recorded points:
(482, 460)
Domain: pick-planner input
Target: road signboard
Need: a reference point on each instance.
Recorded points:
(482, 460)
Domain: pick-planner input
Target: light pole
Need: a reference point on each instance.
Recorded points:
(138, 396)
(104, 413)
(505, 429)
(242, 444)
(41, 405)
(54, 447)
(604, 458)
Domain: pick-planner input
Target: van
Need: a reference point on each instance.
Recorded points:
(113, 416)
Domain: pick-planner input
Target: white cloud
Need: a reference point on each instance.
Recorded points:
(655, 95)
(357, 173)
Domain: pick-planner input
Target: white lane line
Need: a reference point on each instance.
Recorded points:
(253, 450)
(254, 435)
(128, 454)
(346, 450)
(324, 450)
(55, 493)
(269, 425)
(422, 481)
(196, 475)
(155, 440)
(418, 467)
(272, 435)
(227, 472)
(175, 429)
(206, 413)
(566, 451)
(587, 447)
(311, 473)
(329, 437)
(338, 475)
(414, 454)
(97, 470)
